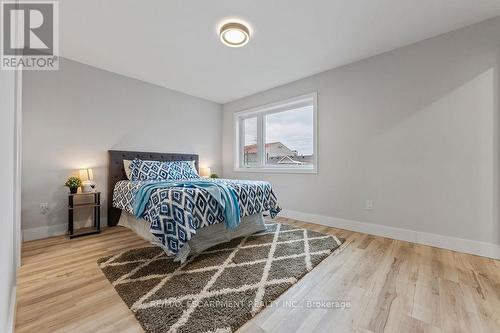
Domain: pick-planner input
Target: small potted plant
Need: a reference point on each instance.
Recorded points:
(73, 183)
(214, 175)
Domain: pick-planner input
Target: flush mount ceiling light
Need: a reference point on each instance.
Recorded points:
(234, 34)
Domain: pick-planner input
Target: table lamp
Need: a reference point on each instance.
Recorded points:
(87, 177)
(205, 172)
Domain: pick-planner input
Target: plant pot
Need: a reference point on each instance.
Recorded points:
(73, 190)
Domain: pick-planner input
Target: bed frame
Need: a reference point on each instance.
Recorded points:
(116, 172)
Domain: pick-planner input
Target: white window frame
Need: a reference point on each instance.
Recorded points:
(260, 112)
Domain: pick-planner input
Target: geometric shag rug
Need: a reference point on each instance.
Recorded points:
(220, 289)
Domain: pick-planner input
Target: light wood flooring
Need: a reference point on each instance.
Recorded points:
(391, 286)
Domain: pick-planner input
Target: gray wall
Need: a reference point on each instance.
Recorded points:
(415, 130)
(71, 117)
(7, 234)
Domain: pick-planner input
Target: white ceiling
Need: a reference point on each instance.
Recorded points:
(174, 43)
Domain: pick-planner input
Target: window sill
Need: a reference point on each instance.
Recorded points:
(277, 170)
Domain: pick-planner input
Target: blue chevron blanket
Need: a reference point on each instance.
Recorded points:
(223, 194)
(175, 213)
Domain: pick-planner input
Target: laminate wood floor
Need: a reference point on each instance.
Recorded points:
(388, 286)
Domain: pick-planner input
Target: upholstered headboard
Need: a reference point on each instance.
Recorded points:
(116, 172)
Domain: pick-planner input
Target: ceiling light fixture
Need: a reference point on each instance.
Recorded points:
(234, 34)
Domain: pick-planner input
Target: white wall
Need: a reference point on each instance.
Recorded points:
(7, 234)
(73, 116)
(415, 130)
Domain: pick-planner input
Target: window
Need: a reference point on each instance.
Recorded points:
(280, 137)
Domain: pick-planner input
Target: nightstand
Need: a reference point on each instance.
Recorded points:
(96, 206)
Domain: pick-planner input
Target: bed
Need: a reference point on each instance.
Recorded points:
(184, 220)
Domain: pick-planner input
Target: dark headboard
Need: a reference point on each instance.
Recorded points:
(116, 172)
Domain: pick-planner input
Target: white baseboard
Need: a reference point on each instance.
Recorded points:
(11, 320)
(50, 231)
(450, 243)
(44, 232)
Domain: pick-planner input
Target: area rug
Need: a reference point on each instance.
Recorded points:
(220, 289)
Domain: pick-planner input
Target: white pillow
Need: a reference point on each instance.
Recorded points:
(126, 166)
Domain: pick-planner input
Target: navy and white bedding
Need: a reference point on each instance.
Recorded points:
(175, 213)
(156, 170)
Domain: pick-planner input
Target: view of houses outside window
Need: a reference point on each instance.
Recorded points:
(250, 155)
(289, 137)
(279, 136)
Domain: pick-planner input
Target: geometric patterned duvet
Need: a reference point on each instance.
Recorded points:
(175, 213)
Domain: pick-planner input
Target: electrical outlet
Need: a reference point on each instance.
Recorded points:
(44, 208)
(369, 204)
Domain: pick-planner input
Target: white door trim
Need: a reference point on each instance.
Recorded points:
(18, 168)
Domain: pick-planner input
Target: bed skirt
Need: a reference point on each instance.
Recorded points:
(204, 237)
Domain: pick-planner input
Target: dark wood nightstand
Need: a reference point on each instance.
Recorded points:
(96, 205)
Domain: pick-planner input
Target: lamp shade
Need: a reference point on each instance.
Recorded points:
(86, 175)
(90, 173)
(205, 171)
